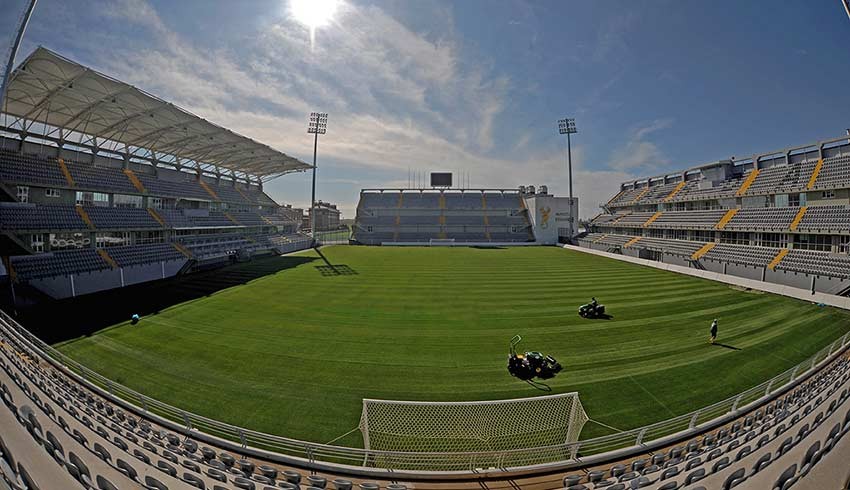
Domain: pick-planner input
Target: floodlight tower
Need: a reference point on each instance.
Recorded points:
(318, 125)
(568, 127)
(13, 51)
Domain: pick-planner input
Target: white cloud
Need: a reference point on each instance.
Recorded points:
(639, 154)
(398, 99)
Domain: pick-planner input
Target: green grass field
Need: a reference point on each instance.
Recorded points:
(294, 352)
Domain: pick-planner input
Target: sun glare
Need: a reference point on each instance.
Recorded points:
(313, 13)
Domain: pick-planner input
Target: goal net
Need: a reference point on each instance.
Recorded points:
(470, 427)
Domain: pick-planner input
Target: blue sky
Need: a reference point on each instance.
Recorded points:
(477, 86)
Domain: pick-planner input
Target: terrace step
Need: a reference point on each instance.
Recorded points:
(232, 219)
(632, 241)
(798, 218)
(66, 172)
(675, 191)
(652, 218)
(776, 260)
(747, 182)
(85, 216)
(726, 218)
(208, 189)
(134, 180)
(704, 250)
(814, 178)
(183, 250)
(107, 258)
(157, 217)
(639, 196)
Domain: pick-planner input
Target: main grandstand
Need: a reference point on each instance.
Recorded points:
(103, 185)
(781, 217)
(525, 215)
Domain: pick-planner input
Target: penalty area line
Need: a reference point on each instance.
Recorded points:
(340, 437)
(604, 425)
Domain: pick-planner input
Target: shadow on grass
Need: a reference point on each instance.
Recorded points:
(485, 247)
(731, 347)
(330, 269)
(57, 321)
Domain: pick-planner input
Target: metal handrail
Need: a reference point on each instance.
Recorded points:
(350, 460)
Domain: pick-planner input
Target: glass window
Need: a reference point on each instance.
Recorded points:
(830, 194)
(37, 242)
(735, 238)
(143, 237)
(23, 193)
(775, 240)
(52, 192)
(112, 239)
(155, 202)
(813, 242)
(125, 201)
(781, 201)
(93, 199)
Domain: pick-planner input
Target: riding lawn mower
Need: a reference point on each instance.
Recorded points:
(531, 365)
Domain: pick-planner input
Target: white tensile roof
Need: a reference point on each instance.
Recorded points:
(53, 90)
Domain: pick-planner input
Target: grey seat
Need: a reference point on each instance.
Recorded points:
(317, 481)
(194, 481)
(340, 484)
(736, 478)
(152, 483)
(104, 484)
(126, 469)
(243, 483)
(695, 476)
(787, 478)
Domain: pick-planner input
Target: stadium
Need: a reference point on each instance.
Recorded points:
(165, 323)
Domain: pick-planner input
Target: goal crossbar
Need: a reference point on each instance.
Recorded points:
(471, 426)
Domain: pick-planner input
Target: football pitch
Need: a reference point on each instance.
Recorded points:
(294, 352)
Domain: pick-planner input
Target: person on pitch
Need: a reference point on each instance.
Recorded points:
(593, 302)
(713, 331)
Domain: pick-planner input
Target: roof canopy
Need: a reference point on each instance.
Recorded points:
(50, 89)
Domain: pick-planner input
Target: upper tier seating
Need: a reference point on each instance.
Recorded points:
(19, 217)
(688, 219)
(835, 173)
(778, 219)
(27, 169)
(826, 219)
(120, 218)
(98, 178)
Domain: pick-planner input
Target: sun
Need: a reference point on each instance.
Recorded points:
(313, 13)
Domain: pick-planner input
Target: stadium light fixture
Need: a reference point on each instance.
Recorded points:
(318, 125)
(567, 126)
(846, 6)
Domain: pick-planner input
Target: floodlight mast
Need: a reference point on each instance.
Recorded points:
(318, 125)
(567, 126)
(13, 51)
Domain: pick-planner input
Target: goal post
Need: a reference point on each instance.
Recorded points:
(472, 427)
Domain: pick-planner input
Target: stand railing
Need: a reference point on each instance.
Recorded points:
(424, 465)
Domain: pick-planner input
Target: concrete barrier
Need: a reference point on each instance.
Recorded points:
(789, 291)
